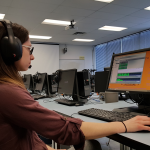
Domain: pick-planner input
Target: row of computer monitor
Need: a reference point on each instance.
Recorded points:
(129, 72)
(68, 82)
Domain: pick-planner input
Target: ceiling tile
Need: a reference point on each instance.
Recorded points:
(3, 10)
(122, 24)
(131, 19)
(5, 2)
(73, 11)
(116, 9)
(27, 13)
(47, 30)
(133, 3)
(29, 23)
(142, 14)
(28, 5)
(96, 21)
(57, 2)
(107, 16)
(85, 4)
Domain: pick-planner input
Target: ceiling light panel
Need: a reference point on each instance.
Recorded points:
(56, 22)
(2, 16)
(147, 8)
(83, 40)
(39, 37)
(106, 1)
(112, 28)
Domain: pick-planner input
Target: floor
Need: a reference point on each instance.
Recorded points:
(113, 145)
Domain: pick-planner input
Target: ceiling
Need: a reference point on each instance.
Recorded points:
(89, 15)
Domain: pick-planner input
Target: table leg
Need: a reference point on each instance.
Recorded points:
(53, 144)
(121, 147)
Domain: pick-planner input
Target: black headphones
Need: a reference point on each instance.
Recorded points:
(10, 46)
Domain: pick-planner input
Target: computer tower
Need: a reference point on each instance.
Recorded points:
(84, 84)
(101, 81)
(53, 85)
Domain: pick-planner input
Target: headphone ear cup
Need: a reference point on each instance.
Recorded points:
(10, 52)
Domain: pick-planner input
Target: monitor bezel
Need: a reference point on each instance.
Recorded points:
(121, 54)
(71, 94)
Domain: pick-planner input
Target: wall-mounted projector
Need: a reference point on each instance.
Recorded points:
(71, 26)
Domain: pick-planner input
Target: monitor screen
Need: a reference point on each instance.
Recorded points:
(130, 71)
(27, 78)
(101, 79)
(40, 82)
(66, 81)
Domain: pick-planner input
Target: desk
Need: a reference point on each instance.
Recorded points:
(139, 141)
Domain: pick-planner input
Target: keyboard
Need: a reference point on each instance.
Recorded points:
(66, 102)
(36, 97)
(105, 115)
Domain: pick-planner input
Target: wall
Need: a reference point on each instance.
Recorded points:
(49, 57)
(46, 59)
(74, 52)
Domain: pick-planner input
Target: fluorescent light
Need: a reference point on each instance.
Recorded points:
(39, 37)
(107, 1)
(56, 22)
(83, 40)
(147, 8)
(2, 16)
(112, 28)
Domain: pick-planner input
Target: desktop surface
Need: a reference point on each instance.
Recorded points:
(135, 140)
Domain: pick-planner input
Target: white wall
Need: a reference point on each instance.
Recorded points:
(46, 59)
(49, 58)
(73, 54)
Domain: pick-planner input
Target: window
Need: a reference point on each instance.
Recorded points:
(131, 43)
(104, 52)
(145, 39)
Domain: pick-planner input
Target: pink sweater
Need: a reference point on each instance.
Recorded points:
(21, 117)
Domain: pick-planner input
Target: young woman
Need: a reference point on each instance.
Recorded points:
(21, 117)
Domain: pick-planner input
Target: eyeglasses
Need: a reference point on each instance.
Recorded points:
(29, 47)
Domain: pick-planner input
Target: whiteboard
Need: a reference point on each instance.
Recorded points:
(78, 64)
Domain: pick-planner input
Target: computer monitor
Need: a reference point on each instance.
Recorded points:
(53, 85)
(101, 81)
(84, 83)
(68, 83)
(130, 73)
(42, 84)
(28, 82)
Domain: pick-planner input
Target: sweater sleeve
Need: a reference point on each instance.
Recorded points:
(19, 108)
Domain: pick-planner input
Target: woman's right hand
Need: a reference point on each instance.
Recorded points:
(138, 123)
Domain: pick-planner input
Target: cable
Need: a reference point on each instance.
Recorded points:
(81, 96)
(46, 101)
(107, 143)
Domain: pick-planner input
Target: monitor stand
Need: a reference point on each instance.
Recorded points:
(135, 110)
(143, 107)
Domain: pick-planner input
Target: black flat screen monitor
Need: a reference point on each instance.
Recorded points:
(130, 73)
(68, 83)
(28, 82)
(101, 79)
(27, 78)
(42, 84)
